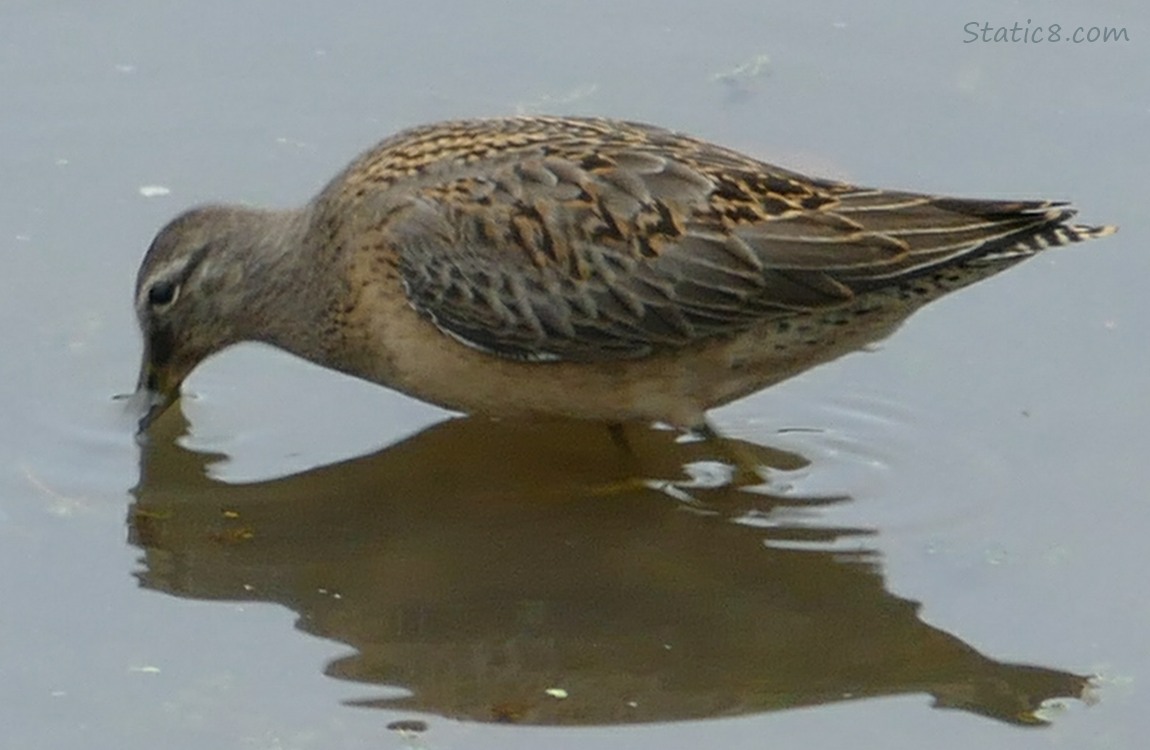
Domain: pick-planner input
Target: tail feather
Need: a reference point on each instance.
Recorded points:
(941, 231)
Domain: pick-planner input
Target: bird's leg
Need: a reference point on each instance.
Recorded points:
(707, 431)
(744, 467)
(743, 463)
(619, 438)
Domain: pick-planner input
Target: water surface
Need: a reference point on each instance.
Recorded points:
(949, 534)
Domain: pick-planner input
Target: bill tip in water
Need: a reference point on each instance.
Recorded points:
(145, 406)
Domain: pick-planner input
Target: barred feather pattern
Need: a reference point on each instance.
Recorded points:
(574, 239)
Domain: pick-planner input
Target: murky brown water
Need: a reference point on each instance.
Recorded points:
(953, 521)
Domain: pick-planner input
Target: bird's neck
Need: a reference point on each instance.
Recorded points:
(290, 279)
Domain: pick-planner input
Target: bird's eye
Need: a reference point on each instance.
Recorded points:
(162, 294)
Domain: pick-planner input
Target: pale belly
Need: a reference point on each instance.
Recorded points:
(410, 354)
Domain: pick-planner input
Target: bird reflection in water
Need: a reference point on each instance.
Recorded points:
(482, 568)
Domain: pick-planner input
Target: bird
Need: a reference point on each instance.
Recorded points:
(586, 268)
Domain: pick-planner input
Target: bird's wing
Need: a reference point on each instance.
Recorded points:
(588, 253)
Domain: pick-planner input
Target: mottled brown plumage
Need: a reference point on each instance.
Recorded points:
(564, 266)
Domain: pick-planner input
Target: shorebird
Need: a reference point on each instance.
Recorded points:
(575, 267)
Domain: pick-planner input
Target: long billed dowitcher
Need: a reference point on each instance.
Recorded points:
(586, 268)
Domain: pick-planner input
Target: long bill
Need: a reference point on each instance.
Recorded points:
(157, 388)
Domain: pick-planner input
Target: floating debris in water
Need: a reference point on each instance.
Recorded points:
(758, 65)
